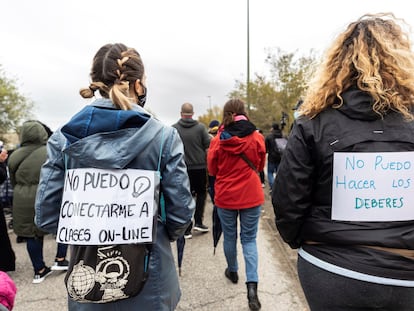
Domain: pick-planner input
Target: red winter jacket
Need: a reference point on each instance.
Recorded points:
(237, 185)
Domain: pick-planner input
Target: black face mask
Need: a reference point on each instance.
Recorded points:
(143, 98)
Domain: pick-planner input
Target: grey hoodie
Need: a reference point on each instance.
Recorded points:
(196, 142)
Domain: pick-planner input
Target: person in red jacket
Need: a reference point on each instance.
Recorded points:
(235, 157)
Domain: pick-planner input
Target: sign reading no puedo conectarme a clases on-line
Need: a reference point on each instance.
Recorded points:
(373, 186)
(101, 207)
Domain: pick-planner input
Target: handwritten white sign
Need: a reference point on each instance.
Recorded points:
(373, 186)
(101, 207)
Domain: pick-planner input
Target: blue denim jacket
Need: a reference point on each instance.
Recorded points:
(101, 136)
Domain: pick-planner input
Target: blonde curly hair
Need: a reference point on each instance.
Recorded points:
(374, 54)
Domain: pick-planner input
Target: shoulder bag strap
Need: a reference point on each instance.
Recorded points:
(246, 159)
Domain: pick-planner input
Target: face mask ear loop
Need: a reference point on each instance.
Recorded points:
(142, 98)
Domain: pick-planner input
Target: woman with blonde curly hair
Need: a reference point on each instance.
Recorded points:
(344, 189)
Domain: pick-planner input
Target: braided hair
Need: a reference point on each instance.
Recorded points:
(115, 69)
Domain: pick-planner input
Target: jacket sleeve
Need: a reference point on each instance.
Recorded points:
(292, 189)
(50, 189)
(262, 153)
(175, 185)
(206, 138)
(212, 158)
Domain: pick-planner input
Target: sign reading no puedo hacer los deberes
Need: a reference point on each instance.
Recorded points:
(373, 186)
(101, 207)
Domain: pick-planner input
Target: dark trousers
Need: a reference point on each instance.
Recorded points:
(35, 249)
(198, 184)
(329, 291)
(7, 257)
(262, 176)
(211, 180)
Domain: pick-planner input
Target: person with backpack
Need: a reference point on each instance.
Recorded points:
(136, 163)
(343, 195)
(274, 153)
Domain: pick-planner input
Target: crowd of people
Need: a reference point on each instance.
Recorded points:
(358, 109)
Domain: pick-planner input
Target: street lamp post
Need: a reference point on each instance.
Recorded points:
(209, 102)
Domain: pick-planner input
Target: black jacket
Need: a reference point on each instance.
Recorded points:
(272, 154)
(302, 192)
(3, 172)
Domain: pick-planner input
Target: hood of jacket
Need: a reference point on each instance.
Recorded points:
(233, 138)
(100, 134)
(187, 122)
(358, 105)
(33, 133)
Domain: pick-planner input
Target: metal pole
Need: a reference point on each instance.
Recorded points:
(209, 102)
(248, 60)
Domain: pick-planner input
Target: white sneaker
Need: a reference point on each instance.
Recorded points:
(60, 265)
(201, 228)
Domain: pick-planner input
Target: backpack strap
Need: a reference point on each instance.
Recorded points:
(162, 199)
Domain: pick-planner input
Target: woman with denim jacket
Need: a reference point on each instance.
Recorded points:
(235, 157)
(115, 132)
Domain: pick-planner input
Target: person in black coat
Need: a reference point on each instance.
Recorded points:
(343, 194)
(273, 155)
(7, 257)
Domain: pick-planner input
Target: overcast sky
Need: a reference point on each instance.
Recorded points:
(193, 50)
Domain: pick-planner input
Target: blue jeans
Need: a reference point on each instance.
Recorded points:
(249, 220)
(271, 172)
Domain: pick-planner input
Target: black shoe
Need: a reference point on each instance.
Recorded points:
(232, 276)
(254, 303)
(201, 228)
(62, 265)
(20, 239)
(40, 277)
(187, 234)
